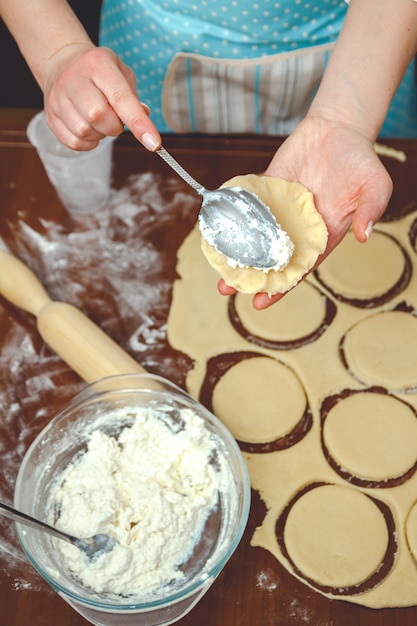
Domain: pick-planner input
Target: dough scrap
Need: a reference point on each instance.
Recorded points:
(293, 206)
(199, 325)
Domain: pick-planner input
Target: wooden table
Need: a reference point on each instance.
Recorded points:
(253, 590)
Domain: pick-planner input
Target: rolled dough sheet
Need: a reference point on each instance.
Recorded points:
(357, 459)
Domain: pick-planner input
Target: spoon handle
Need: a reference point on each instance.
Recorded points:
(23, 518)
(168, 158)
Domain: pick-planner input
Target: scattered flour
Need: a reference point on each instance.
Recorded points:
(26, 386)
(267, 580)
(109, 264)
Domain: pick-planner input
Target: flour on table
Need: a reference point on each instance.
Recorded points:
(109, 266)
(266, 580)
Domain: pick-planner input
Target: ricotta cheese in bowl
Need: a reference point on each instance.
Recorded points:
(135, 457)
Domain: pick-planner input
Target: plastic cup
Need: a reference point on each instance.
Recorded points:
(82, 179)
(64, 439)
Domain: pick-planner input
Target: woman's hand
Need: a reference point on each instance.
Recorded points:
(88, 91)
(339, 166)
(89, 94)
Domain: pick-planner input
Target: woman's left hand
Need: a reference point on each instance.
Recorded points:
(339, 165)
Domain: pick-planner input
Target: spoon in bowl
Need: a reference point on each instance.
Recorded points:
(92, 547)
(235, 221)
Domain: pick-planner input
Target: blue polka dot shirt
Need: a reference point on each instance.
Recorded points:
(147, 34)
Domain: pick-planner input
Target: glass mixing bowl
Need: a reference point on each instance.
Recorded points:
(65, 437)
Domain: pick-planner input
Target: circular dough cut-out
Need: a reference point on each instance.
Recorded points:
(277, 406)
(336, 536)
(293, 206)
(372, 436)
(358, 272)
(411, 531)
(299, 314)
(382, 350)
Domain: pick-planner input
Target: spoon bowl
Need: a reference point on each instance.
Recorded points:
(239, 225)
(93, 547)
(236, 222)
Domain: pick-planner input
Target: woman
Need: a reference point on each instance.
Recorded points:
(89, 92)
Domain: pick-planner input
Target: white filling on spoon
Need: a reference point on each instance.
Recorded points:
(280, 249)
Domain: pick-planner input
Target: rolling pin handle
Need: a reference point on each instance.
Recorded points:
(71, 334)
(20, 286)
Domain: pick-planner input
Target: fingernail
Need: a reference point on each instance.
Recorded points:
(369, 229)
(150, 142)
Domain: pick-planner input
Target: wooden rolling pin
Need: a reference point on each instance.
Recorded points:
(73, 336)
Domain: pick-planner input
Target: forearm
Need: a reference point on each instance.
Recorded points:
(42, 28)
(374, 49)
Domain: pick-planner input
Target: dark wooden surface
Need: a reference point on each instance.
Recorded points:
(253, 590)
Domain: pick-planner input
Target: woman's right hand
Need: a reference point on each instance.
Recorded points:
(89, 94)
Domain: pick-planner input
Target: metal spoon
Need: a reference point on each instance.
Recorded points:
(92, 546)
(235, 221)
